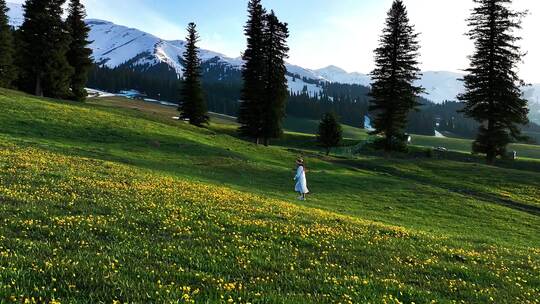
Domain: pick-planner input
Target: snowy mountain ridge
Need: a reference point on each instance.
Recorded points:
(335, 74)
(114, 45)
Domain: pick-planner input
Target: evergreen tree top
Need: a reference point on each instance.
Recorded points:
(191, 61)
(4, 18)
(254, 28)
(76, 15)
(398, 45)
(3, 9)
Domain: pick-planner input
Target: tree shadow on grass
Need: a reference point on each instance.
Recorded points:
(461, 189)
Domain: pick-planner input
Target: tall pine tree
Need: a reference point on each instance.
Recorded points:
(276, 89)
(253, 73)
(42, 45)
(492, 86)
(393, 91)
(192, 106)
(78, 54)
(7, 69)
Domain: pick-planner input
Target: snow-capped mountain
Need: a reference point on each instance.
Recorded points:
(441, 86)
(114, 45)
(336, 74)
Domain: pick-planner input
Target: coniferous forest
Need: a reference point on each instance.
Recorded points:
(222, 86)
(47, 55)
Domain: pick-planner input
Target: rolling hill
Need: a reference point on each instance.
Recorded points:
(114, 201)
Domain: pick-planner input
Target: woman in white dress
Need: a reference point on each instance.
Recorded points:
(300, 178)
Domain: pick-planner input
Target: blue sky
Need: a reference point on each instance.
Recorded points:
(312, 22)
(323, 32)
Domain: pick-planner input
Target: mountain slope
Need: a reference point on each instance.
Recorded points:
(441, 86)
(113, 45)
(336, 74)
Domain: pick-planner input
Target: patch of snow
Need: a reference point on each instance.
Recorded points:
(131, 94)
(223, 115)
(298, 85)
(234, 62)
(336, 74)
(300, 71)
(367, 124)
(114, 44)
(439, 134)
(168, 104)
(441, 86)
(98, 93)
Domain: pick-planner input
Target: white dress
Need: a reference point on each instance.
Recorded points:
(301, 182)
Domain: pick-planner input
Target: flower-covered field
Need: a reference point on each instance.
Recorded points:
(80, 227)
(81, 230)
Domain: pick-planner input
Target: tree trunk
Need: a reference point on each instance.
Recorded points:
(39, 89)
(491, 149)
(490, 159)
(327, 151)
(388, 143)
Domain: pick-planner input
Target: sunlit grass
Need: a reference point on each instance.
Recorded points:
(100, 203)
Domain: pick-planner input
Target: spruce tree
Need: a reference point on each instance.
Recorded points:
(330, 132)
(7, 69)
(42, 45)
(492, 87)
(192, 106)
(253, 74)
(78, 55)
(276, 89)
(393, 91)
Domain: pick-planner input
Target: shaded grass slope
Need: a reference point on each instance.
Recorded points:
(103, 203)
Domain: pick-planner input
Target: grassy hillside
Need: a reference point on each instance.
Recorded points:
(113, 201)
(464, 145)
(306, 126)
(301, 131)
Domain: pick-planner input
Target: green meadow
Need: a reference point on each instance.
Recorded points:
(113, 201)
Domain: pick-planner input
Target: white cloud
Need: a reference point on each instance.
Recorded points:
(348, 39)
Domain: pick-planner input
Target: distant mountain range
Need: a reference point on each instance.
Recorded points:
(114, 45)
